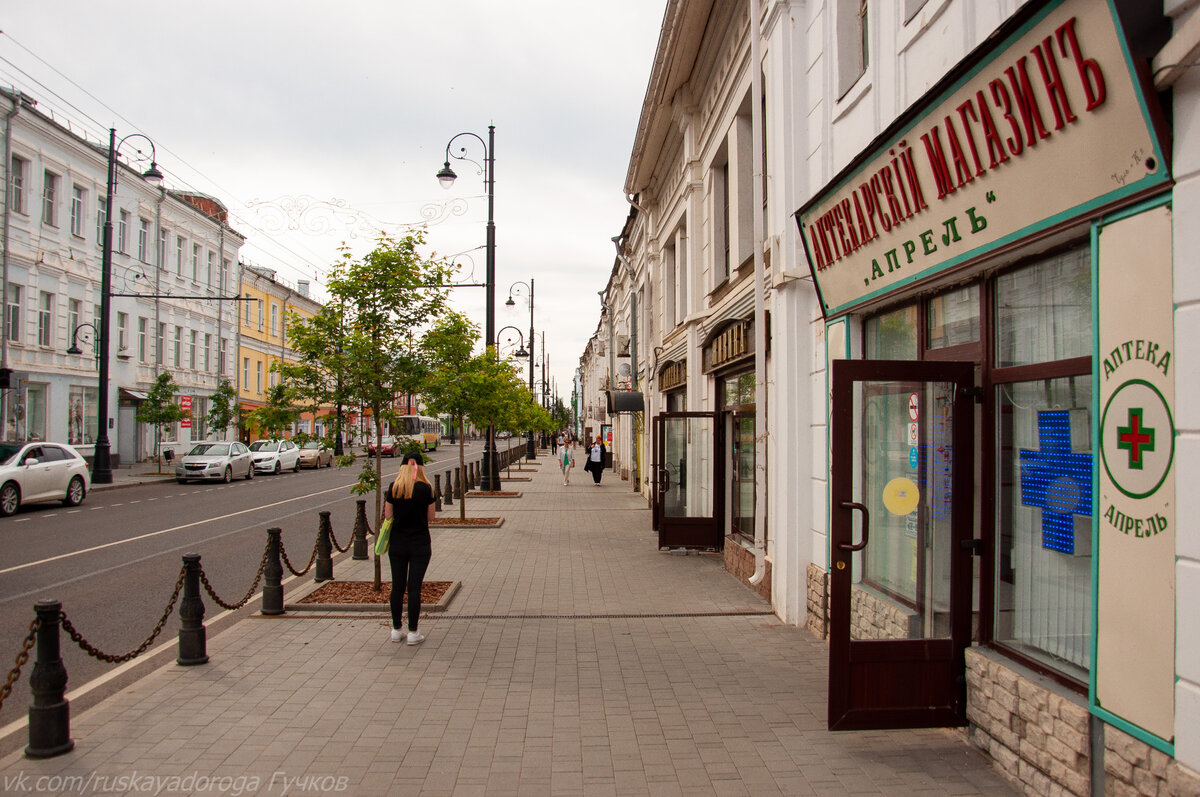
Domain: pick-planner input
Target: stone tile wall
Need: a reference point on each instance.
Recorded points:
(818, 602)
(739, 560)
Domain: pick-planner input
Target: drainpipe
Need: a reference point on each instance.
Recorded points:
(633, 339)
(760, 326)
(160, 253)
(4, 393)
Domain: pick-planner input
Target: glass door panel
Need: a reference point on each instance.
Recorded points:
(686, 478)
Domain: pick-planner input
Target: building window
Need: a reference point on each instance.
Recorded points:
(179, 255)
(50, 198)
(101, 217)
(143, 240)
(192, 350)
(28, 422)
(122, 332)
(274, 320)
(721, 220)
(195, 262)
(207, 352)
(246, 373)
(74, 309)
(853, 53)
(123, 232)
(142, 325)
(14, 313)
(178, 347)
(258, 385)
(81, 415)
(209, 273)
(158, 343)
(45, 317)
(248, 310)
(78, 196)
(161, 260)
(260, 315)
(16, 184)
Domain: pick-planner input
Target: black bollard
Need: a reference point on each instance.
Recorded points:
(272, 600)
(448, 498)
(50, 713)
(458, 483)
(360, 531)
(437, 492)
(324, 550)
(191, 616)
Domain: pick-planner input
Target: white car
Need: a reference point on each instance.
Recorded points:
(41, 472)
(273, 456)
(220, 461)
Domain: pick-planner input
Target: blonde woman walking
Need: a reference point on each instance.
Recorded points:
(410, 505)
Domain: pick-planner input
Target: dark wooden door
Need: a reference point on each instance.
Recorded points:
(902, 495)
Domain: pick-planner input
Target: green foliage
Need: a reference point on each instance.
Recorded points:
(276, 415)
(223, 408)
(411, 447)
(159, 409)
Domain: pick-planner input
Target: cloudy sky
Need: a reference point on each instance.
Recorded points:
(318, 123)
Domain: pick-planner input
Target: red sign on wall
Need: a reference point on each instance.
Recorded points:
(185, 402)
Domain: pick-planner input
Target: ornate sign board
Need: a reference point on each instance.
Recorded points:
(1048, 125)
(1134, 372)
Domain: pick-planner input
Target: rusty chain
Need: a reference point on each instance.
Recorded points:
(96, 653)
(333, 539)
(283, 555)
(245, 598)
(22, 657)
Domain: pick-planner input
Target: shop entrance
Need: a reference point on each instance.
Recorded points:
(901, 543)
(688, 505)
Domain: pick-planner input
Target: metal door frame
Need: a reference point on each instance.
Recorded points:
(861, 671)
(704, 532)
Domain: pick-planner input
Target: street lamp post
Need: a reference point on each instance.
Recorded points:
(102, 462)
(491, 471)
(530, 446)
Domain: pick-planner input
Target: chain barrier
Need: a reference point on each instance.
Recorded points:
(333, 539)
(96, 653)
(245, 598)
(22, 658)
(283, 555)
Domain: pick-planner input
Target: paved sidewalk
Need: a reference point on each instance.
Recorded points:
(575, 659)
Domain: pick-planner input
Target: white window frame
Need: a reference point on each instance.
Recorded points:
(78, 197)
(50, 198)
(123, 232)
(45, 318)
(14, 313)
(195, 261)
(74, 312)
(16, 185)
(143, 332)
(143, 239)
(122, 332)
(177, 349)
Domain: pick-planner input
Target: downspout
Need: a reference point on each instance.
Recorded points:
(160, 254)
(760, 314)
(4, 392)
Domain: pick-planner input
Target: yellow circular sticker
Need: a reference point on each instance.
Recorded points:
(901, 496)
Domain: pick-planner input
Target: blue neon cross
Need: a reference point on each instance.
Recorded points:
(1056, 481)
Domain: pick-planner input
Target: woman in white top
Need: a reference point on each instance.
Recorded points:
(566, 459)
(595, 462)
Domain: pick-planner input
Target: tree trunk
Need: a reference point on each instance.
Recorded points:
(462, 464)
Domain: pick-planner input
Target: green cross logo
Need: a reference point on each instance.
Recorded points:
(1135, 439)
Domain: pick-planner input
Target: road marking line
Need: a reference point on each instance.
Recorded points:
(74, 511)
(149, 534)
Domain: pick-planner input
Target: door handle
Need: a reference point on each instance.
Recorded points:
(866, 526)
(664, 480)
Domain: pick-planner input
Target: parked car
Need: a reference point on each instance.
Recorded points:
(32, 472)
(387, 447)
(315, 454)
(217, 461)
(273, 456)
(503, 435)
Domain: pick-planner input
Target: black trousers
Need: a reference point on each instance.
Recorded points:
(409, 557)
(596, 468)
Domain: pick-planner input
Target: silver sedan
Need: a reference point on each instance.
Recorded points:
(41, 472)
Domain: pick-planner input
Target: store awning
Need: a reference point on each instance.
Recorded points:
(136, 395)
(625, 401)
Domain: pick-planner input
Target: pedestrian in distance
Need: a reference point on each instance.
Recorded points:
(410, 505)
(595, 462)
(555, 442)
(566, 461)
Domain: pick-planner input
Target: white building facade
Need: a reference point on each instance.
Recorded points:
(907, 289)
(171, 264)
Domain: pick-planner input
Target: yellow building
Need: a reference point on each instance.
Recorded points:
(262, 341)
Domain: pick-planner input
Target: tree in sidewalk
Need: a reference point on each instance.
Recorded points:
(223, 409)
(363, 346)
(448, 345)
(160, 410)
(276, 415)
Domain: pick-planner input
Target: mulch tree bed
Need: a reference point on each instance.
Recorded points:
(364, 592)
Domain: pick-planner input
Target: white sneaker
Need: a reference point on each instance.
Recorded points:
(414, 638)
(397, 635)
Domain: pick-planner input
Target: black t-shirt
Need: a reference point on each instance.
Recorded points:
(411, 515)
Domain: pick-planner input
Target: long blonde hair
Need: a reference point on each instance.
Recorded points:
(410, 473)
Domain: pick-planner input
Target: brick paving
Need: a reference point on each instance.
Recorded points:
(575, 659)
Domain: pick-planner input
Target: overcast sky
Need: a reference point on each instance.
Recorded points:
(274, 107)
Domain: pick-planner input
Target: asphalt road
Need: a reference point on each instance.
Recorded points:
(114, 562)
